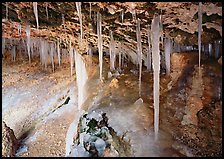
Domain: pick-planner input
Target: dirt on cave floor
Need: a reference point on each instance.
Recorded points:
(31, 95)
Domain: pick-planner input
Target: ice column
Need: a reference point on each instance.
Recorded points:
(36, 13)
(199, 30)
(81, 78)
(155, 28)
(139, 50)
(167, 54)
(28, 41)
(100, 42)
(149, 59)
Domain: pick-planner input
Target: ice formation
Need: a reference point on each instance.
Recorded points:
(149, 53)
(112, 52)
(100, 42)
(13, 53)
(78, 7)
(19, 29)
(210, 49)
(58, 51)
(139, 51)
(122, 17)
(46, 11)
(36, 13)
(81, 78)
(28, 42)
(52, 54)
(3, 45)
(90, 10)
(216, 45)
(167, 54)
(199, 30)
(155, 28)
(7, 10)
(63, 18)
(71, 59)
(119, 60)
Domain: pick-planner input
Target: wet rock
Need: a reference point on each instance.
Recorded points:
(9, 141)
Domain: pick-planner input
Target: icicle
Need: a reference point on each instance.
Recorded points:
(90, 10)
(19, 29)
(78, 7)
(31, 47)
(52, 55)
(112, 52)
(7, 10)
(58, 51)
(199, 31)
(139, 50)
(3, 45)
(28, 41)
(216, 49)
(167, 54)
(81, 78)
(46, 10)
(161, 28)
(63, 18)
(149, 59)
(122, 17)
(100, 42)
(71, 60)
(155, 30)
(36, 13)
(210, 49)
(119, 60)
(13, 53)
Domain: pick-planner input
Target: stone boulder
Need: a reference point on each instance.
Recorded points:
(9, 141)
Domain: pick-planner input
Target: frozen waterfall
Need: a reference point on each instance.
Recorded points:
(155, 28)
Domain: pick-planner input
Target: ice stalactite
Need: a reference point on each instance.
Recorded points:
(167, 54)
(3, 45)
(100, 43)
(122, 17)
(63, 18)
(28, 42)
(46, 10)
(71, 59)
(90, 9)
(112, 52)
(161, 29)
(199, 30)
(139, 51)
(7, 10)
(155, 33)
(149, 53)
(78, 7)
(81, 78)
(36, 13)
(13, 53)
(19, 29)
(216, 45)
(31, 47)
(52, 55)
(210, 49)
(119, 59)
(58, 51)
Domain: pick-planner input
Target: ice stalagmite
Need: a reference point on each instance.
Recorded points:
(167, 54)
(149, 54)
(58, 51)
(46, 10)
(36, 13)
(139, 51)
(7, 10)
(28, 41)
(81, 78)
(155, 33)
(100, 42)
(199, 30)
(112, 52)
(78, 7)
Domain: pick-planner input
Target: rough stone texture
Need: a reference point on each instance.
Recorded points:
(9, 141)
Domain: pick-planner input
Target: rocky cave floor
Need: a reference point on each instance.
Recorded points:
(40, 106)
